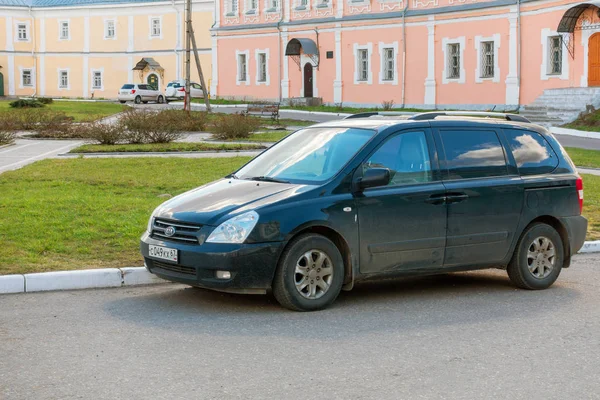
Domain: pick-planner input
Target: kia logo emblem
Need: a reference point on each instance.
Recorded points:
(169, 231)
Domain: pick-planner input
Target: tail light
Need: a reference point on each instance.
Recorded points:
(181, 89)
(579, 186)
(132, 91)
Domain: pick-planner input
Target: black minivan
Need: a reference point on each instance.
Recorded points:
(373, 197)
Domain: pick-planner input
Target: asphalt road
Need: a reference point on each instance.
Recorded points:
(456, 336)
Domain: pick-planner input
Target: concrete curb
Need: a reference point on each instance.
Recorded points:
(81, 279)
(591, 247)
(574, 132)
(7, 145)
(142, 153)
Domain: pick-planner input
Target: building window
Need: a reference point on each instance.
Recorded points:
(27, 77)
(252, 5)
(22, 33)
(97, 80)
(322, 3)
(63, 79)
(262, 67)
(272, 5)
(389, 64)
(363, 65)
(242, 68)
(453, 64)
(555, 55)
(487, 59)
(155, 27)
(109, 29)
(64, 30)
(233, 7)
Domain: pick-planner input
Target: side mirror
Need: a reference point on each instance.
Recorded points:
(373, 177)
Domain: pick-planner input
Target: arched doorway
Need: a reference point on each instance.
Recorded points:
(1, 85)
(594, 60)
(152, 81)
(308, 80)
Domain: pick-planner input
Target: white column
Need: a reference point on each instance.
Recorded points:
(217, 16)
(42, 75)
(585, 40)
(430, 80)
(11, 75)
(130, 34)
(86, 34)
(286, 14)
(512, 79)
(214, 82)
(130, 69)
(340, 9)
(285, 82)
(42, 35)
(9, 34)
(337, 83)
(86, 76)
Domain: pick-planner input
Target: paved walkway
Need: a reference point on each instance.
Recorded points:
(25, 152)
(591, 171)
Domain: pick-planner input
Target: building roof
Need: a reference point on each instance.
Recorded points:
(67, 3)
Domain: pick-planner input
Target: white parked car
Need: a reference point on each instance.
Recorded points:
(176, 90)
(140, 93)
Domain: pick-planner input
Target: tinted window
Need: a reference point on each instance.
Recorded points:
(406, 156)
(532, 152)
(473, 154)
(127, 87)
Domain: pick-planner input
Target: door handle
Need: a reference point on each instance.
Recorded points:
(456, 197)
(436, 199)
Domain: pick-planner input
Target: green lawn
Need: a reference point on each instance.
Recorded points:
(591, 205)
(272, 136)
(584, 157)
(163, 147)
(586, 122)
(90, 213)
(80, 110)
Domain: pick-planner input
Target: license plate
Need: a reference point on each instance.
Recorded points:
(164, 253)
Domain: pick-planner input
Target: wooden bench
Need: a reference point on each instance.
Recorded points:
(263, 109)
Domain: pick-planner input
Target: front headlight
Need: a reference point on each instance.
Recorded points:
(150, 222)
(234, 230)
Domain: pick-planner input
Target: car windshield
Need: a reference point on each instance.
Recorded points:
(311, 155)
(127, 86)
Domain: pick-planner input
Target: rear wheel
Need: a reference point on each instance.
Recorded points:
(538, 258)
(137, 100)
(310, 274)
(122, 101)
(160, 100)
(145, 102)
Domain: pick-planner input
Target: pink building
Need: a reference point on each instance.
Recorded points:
(422, 53)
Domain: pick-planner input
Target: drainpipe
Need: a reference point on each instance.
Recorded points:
(178, 33)
(518, 55)
(33, 51)
(279, 51)
(404, 54)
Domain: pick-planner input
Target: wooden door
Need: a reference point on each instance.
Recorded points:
(594, 60)
(153, 81)
(308, 80)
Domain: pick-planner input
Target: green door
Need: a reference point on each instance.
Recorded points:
(1, 84)
(153, 81)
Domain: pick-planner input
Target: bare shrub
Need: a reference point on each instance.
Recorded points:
(339, 106)
(6, 136)
(387, 105)
(105, 133)
(194, 121)
(234, 126)
(150, 127)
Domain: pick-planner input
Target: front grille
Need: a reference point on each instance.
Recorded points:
(174, 268)
(184, 232)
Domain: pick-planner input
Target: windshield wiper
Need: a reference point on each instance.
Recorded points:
(267, 179)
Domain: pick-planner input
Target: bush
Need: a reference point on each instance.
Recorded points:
(6, 137)
(150, 127)
(47, 123)
(26, 103)
(234, 126)
(194, 121)
(387, 105)
(104, 133)
(45, 100)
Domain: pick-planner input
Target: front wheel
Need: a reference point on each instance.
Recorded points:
(538, 258)
(122, 101)
(310, 274)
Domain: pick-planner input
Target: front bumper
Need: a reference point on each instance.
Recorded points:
(252, 266)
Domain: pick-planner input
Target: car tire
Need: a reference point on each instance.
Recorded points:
(310, 273)
(145, 102)
(160, 100)
(137, 100)
(122, 101)
(538, 258)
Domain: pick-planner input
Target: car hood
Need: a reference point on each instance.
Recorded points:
(207, 204)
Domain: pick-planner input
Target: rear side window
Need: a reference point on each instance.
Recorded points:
(127, 87)
(532, 152)
(473, 154)
(143, 87)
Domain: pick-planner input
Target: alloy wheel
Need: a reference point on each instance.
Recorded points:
(541, 257)
(313, 274)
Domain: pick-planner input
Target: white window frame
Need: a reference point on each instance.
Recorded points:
(21, 82)
(479, 48)
(114, 23)
(369, 48)
(269, 6)
(248, 7)
(445, 42)
(545, 64)
(60, 30)
(151, 20)
(27, 31)
(323, 5)
(382, 46)
(298, 6)
(230, 12)
(68, 85)
(257, 53)
(92, 73)
(238, 53)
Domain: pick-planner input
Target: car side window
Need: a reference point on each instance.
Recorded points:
(196, 86)
(473, 154)
(142, 87)
(532, 152)
(406, 155)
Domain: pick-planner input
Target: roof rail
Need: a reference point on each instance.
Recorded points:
(368, 114)
(483, 114)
